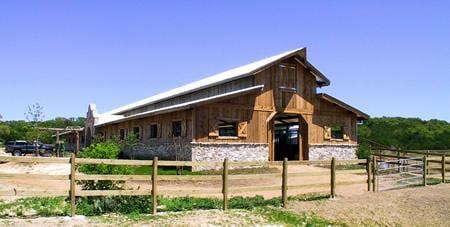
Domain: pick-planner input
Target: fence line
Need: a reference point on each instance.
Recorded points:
(74, 176)
(434, 163)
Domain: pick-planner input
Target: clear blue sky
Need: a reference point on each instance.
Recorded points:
(387, 58)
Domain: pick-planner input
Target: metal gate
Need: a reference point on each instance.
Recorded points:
(398, 173)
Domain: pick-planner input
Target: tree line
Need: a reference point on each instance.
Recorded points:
(404, 133)
(26, 130)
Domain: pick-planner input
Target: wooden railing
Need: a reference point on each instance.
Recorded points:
(225, 177)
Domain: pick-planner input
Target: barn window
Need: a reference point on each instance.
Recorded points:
(137, 132)
(176, 129)
(228, 128)
(153, 131)
(337, 132)
(123, 133)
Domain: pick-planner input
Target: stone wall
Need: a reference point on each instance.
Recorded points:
(217, 152)
(164, 151)
(200, 152)
(327, 151)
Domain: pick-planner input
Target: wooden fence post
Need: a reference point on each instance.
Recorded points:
(225, 184)
(72, 185)
(425, 168)
(374, 173)
(284, 183)
(333, 178)
(443, 168)
(369, 174)
(154, 185)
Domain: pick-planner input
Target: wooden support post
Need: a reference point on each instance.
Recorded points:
(155, 185)
(333, 178)
(72, 185)
(369, 174)
(443, 168)
(374, 173)
(78, 142)
(425, 169)
(284, 183)
(225, 184)
(57, 144)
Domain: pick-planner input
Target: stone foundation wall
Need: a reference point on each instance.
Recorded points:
(164, 151)
(217, 152)
(327, 151)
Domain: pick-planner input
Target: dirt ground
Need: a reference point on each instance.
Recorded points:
(192, 218)
(64, 169)
(421, 206)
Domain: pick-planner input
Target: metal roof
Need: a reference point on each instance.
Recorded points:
(224, 77)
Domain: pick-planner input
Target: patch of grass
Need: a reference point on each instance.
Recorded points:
(434, 180)
(134, 205)
(287, 218)
(55, 206)
(309, 197)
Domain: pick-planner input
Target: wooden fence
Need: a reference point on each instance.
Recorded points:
(225, 177)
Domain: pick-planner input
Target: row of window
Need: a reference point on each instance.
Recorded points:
(153, 131)
(226, 129)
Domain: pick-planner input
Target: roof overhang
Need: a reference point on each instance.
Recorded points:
(359, 114)
(188, 105)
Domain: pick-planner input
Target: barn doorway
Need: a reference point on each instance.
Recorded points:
(286, 141)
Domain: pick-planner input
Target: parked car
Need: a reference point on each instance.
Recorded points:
(47, 147)
(21, 147)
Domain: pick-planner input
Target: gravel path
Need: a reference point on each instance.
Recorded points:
(429, 206)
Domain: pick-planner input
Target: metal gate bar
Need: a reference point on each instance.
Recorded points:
(398, 173)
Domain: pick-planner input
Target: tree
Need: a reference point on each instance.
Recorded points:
(35, 115)
(5, 131)
(404, 133)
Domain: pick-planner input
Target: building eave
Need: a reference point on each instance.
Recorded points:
(359, 114)
(187, 105)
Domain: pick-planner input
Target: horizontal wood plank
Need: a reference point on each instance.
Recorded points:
(33, 159)
(254, 176)
(114, 162)
(113, 177)
(352, 171)
(342, 183)
(309, 174)
(189, 177)
(187, 192)
(255, 189)
(33, 176)
(86, 193)
(41, 193)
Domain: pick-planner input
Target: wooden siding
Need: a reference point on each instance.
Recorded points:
(252, 111)
(164, 123)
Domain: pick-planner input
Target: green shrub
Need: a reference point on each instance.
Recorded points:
(102, 150)
(248, 203)
(189, 203)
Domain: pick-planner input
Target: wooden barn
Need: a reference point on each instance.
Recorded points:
(266, 110)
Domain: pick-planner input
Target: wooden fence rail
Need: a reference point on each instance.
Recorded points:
(225, 178)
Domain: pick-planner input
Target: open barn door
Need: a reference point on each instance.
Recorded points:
(289, 138)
